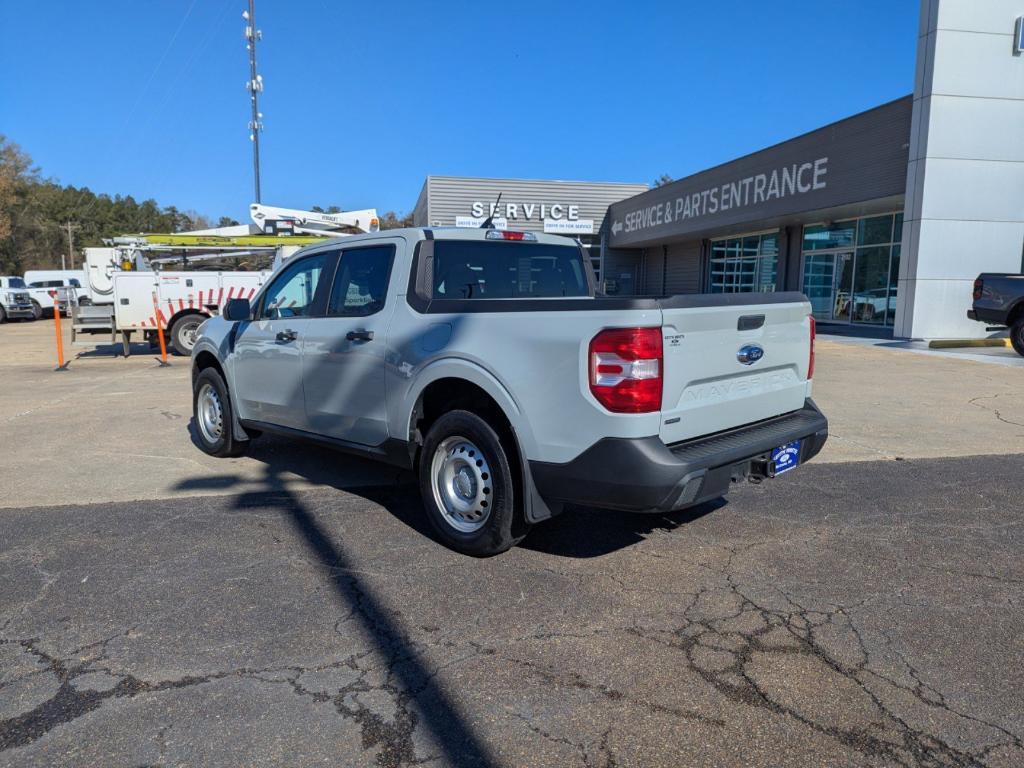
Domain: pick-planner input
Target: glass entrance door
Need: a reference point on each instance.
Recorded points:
(828, 283)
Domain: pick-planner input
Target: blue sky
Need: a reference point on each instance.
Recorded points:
(363, 100)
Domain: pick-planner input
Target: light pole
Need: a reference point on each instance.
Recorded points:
(255, 87)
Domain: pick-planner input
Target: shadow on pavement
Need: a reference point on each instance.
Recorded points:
(581, 533)
(578, 532)
(136, 349)
(439, 715)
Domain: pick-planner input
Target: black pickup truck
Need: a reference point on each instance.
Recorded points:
(999, 301)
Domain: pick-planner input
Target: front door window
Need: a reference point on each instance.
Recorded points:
(293, 291)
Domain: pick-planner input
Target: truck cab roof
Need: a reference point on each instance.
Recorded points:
(448, 233)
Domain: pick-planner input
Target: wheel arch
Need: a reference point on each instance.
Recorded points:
(183, 313)
(202, 359)
(462, 384)
(1016, 312)
(468, 379)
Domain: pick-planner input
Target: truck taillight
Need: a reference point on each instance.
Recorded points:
(626, 369)
(810, 361)
(978, 285)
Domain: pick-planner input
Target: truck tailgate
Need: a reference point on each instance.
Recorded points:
(707, 387)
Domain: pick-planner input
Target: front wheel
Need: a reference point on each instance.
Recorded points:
(3, 314)
(183, 333)
(467, 486)
(37, 310)
(1017, 337)
(211, 408)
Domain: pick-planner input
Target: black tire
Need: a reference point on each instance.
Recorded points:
(220, 443)
(1017, 336)
(3, 314)
(183, 333)
(491, 495)
(37, 310)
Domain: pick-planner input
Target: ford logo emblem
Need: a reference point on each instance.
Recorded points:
(750, 354)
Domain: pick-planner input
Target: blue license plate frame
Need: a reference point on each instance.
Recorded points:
(786, 457)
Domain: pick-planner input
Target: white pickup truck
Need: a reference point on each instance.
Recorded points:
(15, 302)
(485, 361)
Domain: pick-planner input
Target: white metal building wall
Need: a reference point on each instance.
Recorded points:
(445, 197)
(682, 272)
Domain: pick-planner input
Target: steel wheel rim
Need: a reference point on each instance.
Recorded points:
(210, 413)
(188, 336)
(463, 485)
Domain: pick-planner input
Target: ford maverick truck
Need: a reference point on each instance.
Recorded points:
(486, 361)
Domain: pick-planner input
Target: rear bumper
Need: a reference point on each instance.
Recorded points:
(989, 316)
(645, 475)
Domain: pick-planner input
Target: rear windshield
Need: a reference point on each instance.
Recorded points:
(470, 269)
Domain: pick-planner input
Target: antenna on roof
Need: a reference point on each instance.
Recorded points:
(489, 221)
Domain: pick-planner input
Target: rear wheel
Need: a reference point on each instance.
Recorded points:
(467, 486)
(37, 310)
(183, 333)
(1017, 336)
(211, 408)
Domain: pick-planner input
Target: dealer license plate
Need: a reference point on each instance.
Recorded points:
(786, 457)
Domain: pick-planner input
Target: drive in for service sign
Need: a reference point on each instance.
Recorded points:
(861, 158)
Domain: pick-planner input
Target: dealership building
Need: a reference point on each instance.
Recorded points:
(573, 208)
(882, 219)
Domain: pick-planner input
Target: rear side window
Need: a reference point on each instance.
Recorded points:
(471, 269)
(361, 281)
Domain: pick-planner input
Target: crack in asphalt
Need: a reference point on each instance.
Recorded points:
(735, 678)
(737, 635)
(69, 703)
(1014, 399)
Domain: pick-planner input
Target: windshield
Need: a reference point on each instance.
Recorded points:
(471, 269)
(16, 282)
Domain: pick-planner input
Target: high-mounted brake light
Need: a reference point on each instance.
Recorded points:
(504, 234)
(814, 333)
(626, 369)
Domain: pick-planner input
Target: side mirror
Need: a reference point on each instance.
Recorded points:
(237, 309)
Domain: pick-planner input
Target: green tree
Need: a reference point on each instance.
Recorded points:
(34, 212)
(392, 220)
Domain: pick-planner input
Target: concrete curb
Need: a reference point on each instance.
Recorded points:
(953, 343)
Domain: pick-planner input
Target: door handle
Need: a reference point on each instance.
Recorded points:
(359, 335)
(287, 335)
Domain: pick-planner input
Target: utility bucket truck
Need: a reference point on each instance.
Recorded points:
(128, 290)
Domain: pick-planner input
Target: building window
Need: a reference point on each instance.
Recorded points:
(744, 264)
(851, 269)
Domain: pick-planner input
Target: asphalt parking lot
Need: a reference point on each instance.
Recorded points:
(159, 607)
